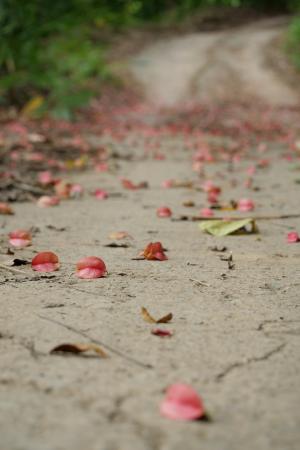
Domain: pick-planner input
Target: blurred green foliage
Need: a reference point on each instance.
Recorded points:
(50, 48)
(293, 42)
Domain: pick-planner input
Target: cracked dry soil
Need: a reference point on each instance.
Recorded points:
(236, 338)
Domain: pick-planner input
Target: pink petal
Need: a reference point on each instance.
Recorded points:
(161, 333)
(164, 211)
(62, 189)
(47, 200)
(251, 170)
(20, 238)
(182, 403)
(206, 212)
(212, 197)
(45, 177)
(245, 204)
(90, 267)
(5, 209)
(100, 194)
(76, 190)
(167, 184)
(101, 167)
(160, 256)
(45, 262)
(293, 237)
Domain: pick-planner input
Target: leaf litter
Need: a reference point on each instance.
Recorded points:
(150, 319)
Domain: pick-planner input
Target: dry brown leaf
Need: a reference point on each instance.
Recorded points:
(78, 348)
(188, 204)
(148, 318)
(165, 319)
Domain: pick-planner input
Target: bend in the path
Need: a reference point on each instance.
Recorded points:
(226, 65)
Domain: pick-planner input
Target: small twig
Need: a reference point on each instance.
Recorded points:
(98, 342)
(201, 283)
(198, 218)
(12, 269)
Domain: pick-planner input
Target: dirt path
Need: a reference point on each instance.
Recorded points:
(226, 65)
(236, 326)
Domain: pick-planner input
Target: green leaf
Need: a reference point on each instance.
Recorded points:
(225, 227)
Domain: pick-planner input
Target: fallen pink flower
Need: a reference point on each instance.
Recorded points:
(207, 186)
(182, 403)
(164, 211)
(45, 262)
(212, 197)
(159, 156)
(62, 189)
(100, 194)
(245, 204)
(47, 200)
(293, 237)
(161, 333)
(19, 238)
(45, 178)
(127, 184)
(5, 209)
(167, 184)
(90, 267)
(154, 251)
(101, 167)
(197, 166)
(263, 163)
(76, 190)
(206, 212)
(251, 170)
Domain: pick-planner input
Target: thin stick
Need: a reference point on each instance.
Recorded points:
(98, 342)
(274, 217)
(12, 269)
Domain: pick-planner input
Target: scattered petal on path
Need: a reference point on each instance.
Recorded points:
(20, 238)
(47, 200)
(6, 209)
(293, 237)
(164, 211)
(182, 403)
(90, 267)
(245, 204)
(100, 194)
(154, 251)
(45, 262)
(161, 333)
(206, 212)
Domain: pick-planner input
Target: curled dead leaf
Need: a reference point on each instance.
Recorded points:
(78, 348)
(148, 318)
(188, 203)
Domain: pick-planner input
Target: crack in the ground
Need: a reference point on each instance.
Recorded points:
(266, 356)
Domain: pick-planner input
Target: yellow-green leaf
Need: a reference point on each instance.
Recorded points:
(225, 227)
(32, 105)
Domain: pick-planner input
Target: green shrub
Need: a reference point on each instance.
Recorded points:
(293, 42)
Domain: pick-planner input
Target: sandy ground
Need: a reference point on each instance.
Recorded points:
(236, 338)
